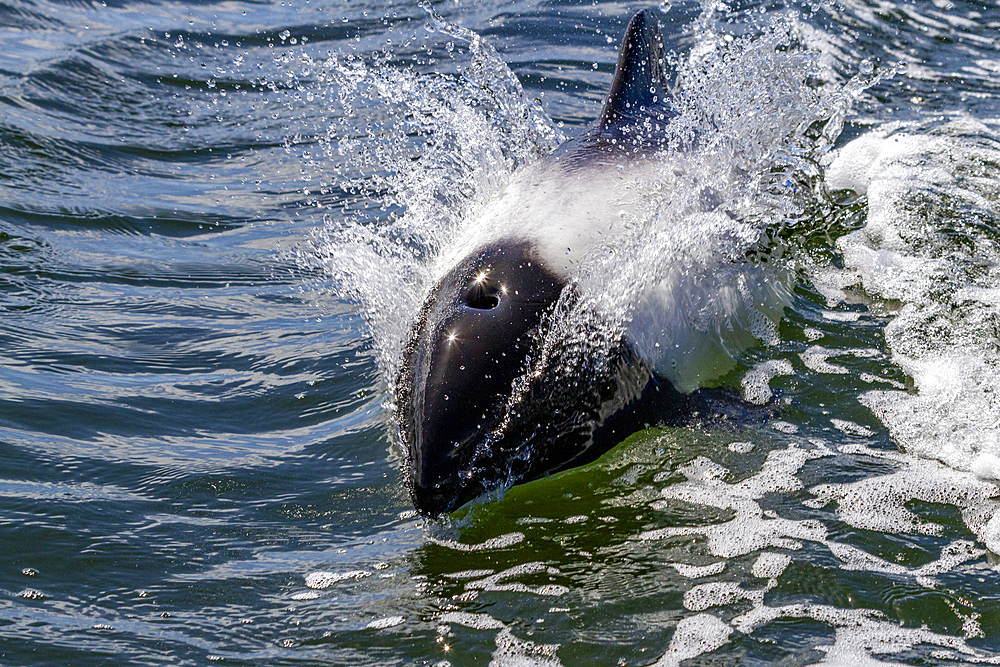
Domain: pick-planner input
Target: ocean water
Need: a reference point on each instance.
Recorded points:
(217, 223)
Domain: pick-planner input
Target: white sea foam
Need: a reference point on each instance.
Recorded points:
(770, 565)
(860, 633)
(387, 622)
(698, 571)
(952, 555)
(815, 358)
(750, 529)
(306, 595)
(470, 620)
(929, 194)
(784, 427)
(469, 574)
(879, 502)
(499, 542)
(326, 579)
(719, 593)
(694, 636)
(874, 503)
(741, 447)
(512, 651)
(500, 580)
(850, 428)
(756, 381)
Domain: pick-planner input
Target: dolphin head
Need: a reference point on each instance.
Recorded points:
(477, 330)
(482, 400)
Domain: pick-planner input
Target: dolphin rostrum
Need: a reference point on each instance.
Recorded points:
(482, 402)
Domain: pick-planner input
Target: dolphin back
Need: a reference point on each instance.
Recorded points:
(640, 86)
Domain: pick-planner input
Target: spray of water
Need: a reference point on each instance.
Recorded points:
(738, 161)
(420, 154)
(417, 152)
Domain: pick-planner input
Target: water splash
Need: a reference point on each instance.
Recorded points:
(741, 161)
(416, 153)
(420, 154)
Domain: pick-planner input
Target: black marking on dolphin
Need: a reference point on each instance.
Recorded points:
(481, 328)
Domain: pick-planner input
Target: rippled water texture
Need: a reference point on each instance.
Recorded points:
(217, 221)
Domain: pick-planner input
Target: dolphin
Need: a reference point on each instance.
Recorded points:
(481, 402)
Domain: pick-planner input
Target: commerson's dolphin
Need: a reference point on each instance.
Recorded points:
(476, 406)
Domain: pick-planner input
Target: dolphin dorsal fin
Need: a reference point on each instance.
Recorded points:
(640, 83)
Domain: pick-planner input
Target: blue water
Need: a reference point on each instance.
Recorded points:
(196, 449)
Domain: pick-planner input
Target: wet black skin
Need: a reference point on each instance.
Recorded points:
(481, 331)
(481, 328)
(472, 341)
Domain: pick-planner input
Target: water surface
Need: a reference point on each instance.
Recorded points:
(216, 218)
